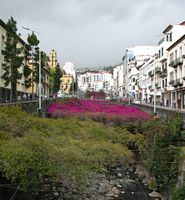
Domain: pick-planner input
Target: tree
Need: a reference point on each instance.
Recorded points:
(33, 44)
(27, 70)
(13, 59)
(56, 80)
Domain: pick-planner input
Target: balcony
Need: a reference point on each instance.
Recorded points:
(164, 90)
(150, 73)
(175, 84)
(157, 70)
(179, 82)
(171, 82)
(163, 73)
(176, 62)
(172, 63)
(150, 87)
(163, 57)
(158, 85)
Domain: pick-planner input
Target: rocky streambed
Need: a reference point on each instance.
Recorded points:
(114, 185)
(118, 185)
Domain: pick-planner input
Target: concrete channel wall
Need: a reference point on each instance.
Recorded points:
(165, 113)
(32, 106)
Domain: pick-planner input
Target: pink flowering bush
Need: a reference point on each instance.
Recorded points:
(100, 111)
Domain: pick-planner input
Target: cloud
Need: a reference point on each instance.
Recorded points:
(93, 32)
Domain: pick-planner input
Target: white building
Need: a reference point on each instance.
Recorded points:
(117, 78)
(155, 74)
(133, 60)
(95, 81)
(176, 74)
(69, 69)
(171, 34)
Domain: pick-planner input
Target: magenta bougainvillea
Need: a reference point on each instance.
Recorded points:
(96, 108)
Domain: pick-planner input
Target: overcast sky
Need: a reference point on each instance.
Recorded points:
(93, 32)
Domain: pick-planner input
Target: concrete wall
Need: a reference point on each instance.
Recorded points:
(32, 106)
(163, 112)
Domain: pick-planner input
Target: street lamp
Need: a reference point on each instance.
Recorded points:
(39, 84)
(145, 91)
(129, 94)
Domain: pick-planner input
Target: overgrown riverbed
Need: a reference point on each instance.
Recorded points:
(72, 157)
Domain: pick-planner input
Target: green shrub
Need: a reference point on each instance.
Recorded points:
(34, 149)
(179, 193)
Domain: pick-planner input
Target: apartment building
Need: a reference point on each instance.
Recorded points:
(134, 59)
(5, 91)
(171, 34)
(82, 81)
(156, 73)
(21, 88)
(176, 73)
(116, 90)
(95, 81)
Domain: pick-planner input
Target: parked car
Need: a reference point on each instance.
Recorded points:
(137, 101)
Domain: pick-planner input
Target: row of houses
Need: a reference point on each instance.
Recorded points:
(154, 74)
(95, 81)
(22, 90)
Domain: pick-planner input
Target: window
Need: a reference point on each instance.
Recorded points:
(166, 65)
(180, 51)
(2, 42)
(171, 57)
(180, 72)
(169, 37)
(171, 76)
(163, 67)
(176, 73)
(162, 83)
(175, 54)
(162, 51)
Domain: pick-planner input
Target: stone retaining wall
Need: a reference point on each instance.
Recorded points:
(32, 106)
